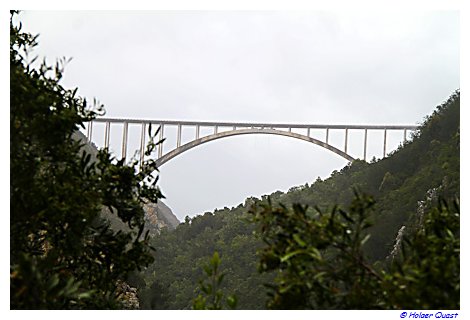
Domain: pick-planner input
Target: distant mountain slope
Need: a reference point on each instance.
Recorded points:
(399, 181)
(157, 216)
(430, 163)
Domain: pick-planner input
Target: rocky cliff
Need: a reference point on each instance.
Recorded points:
(157, 216)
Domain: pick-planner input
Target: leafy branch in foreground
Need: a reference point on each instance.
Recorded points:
(63, 255)
(321, 264)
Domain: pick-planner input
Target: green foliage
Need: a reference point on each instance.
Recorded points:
(320, 256)
(322, 265)
(211, 295)
(62, 254)
(427, 273)
(181, 255)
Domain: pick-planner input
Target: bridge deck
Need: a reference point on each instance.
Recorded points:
(258, 124)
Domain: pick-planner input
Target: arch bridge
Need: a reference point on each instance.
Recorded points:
(238, 128)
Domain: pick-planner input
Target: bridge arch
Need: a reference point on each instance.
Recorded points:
(185, 147)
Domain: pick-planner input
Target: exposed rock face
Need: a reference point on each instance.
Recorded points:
(158, 216)
(127, 295)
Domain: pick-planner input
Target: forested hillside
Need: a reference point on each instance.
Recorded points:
(402, 184)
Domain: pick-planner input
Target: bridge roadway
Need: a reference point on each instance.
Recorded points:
(238, 128)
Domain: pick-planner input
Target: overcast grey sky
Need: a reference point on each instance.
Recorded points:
(299, 67)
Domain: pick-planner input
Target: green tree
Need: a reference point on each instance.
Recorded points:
(322, 265)
(62, 253)
(211, 297)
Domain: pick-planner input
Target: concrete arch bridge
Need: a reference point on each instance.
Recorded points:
(236, 128)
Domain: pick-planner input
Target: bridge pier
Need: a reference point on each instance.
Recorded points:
(365, 144)
(142, 144)
(178, 140)
(160, 146)
(385, 142)
(106, 134)
(124, 141)
(90, 130)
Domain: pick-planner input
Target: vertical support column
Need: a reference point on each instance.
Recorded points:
(365, 144)
(124, 141)
(290, 129)
(346, 140)
(308, 132)
(234, 128)
(107, 130)
(216, 129)
(327, 134)
(178, 140)
(160, 145)
(90, 130)
(404, 136)
(385, 142)
(142, 144)
(197, 131)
